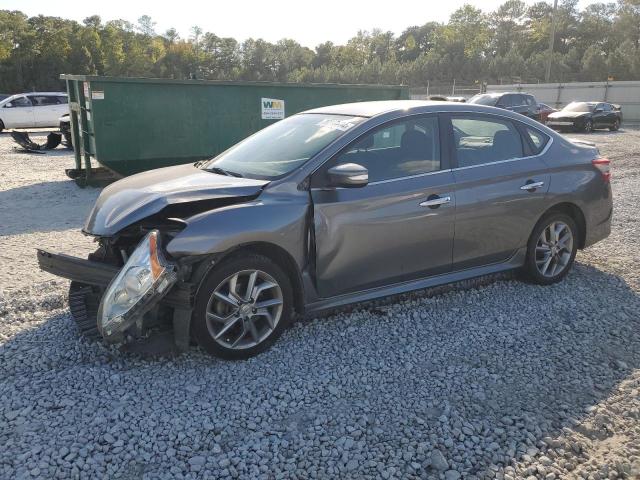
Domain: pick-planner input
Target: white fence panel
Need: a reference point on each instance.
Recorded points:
(557, 95)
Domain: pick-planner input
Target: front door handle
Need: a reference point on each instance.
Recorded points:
(531, 186)
(434, 201)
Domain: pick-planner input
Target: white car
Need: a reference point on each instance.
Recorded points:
(29, 110)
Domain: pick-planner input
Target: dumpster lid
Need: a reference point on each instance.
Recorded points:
(102, 79)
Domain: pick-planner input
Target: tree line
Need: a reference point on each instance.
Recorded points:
(509, 44)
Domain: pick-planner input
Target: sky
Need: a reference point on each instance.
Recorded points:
(308, 22)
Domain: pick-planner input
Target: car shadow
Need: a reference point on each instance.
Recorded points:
(67, 205)
(536, 374)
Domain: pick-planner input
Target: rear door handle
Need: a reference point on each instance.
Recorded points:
(435, 201)
(531, 186)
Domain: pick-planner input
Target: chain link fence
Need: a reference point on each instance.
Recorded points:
(446, 90)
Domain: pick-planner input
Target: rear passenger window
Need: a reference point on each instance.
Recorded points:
(480, 140)
(396, 150)
(538, 139)
(43, 100)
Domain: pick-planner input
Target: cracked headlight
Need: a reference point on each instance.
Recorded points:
(143, 280)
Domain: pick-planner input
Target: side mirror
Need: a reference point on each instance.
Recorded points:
(598, 110)
(8, 105)
(348, 175)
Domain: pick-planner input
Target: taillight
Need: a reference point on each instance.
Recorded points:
(604, 165)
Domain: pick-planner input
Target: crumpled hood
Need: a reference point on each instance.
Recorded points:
(136, 197)
(562, 114)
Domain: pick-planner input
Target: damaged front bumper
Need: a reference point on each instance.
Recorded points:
(119, 303)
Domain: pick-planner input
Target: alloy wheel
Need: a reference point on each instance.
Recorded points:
(588, 126)
(554, 249)
(244, 309)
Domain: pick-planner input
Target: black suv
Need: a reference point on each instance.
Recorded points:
(523, 103)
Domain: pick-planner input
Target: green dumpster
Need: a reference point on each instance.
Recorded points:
(128, 125)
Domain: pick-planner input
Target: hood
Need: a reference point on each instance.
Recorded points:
(134, 198)
(562, 114)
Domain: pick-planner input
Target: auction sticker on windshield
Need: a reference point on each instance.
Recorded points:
(272, 109)
(335, 124)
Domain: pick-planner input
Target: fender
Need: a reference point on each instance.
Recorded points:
(276, 219)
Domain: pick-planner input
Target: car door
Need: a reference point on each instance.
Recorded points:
(46, 110)
(62, 107)
(520, 104)
(598, 116)
(506, 102)
(532, 110)
(609, 115)
(396, 228)
(501, 184)
(18, 113)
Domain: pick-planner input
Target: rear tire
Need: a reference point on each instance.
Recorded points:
(551, 249)
(615, 126)
(1, 126)
(242, 307)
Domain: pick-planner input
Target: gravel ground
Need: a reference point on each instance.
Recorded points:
(504, 380)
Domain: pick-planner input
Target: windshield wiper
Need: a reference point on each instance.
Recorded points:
(222, 171)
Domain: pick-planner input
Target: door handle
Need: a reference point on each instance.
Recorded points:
(531, 185)
(434, 201)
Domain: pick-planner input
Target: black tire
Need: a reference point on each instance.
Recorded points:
(84, 301)
(588, 126)
(215, 278)
(1, 126)
(531, 269)
(615, 126)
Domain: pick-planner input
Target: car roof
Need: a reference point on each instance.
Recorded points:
(372, 109)
(58, 94)
(499, 94)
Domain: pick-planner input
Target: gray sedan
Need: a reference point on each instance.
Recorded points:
(328, 207)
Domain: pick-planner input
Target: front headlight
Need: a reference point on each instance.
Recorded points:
(143, 280)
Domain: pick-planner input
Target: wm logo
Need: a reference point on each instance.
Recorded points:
(271, 104)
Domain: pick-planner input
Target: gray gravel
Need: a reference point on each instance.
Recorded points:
(503, 380)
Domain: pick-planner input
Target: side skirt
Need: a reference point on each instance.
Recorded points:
(516, 261)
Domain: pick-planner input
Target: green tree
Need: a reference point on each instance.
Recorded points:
(510, 43)
(594, 63)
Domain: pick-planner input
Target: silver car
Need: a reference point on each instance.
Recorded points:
(329, 207)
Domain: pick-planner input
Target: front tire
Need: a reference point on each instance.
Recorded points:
(242, 307)
(588, 126)
(551, 249)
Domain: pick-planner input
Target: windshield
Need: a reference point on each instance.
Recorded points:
(282, 147)
(579, 107)
(484, 99)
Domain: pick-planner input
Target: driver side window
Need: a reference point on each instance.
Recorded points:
(397, 149)
(20, 102)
